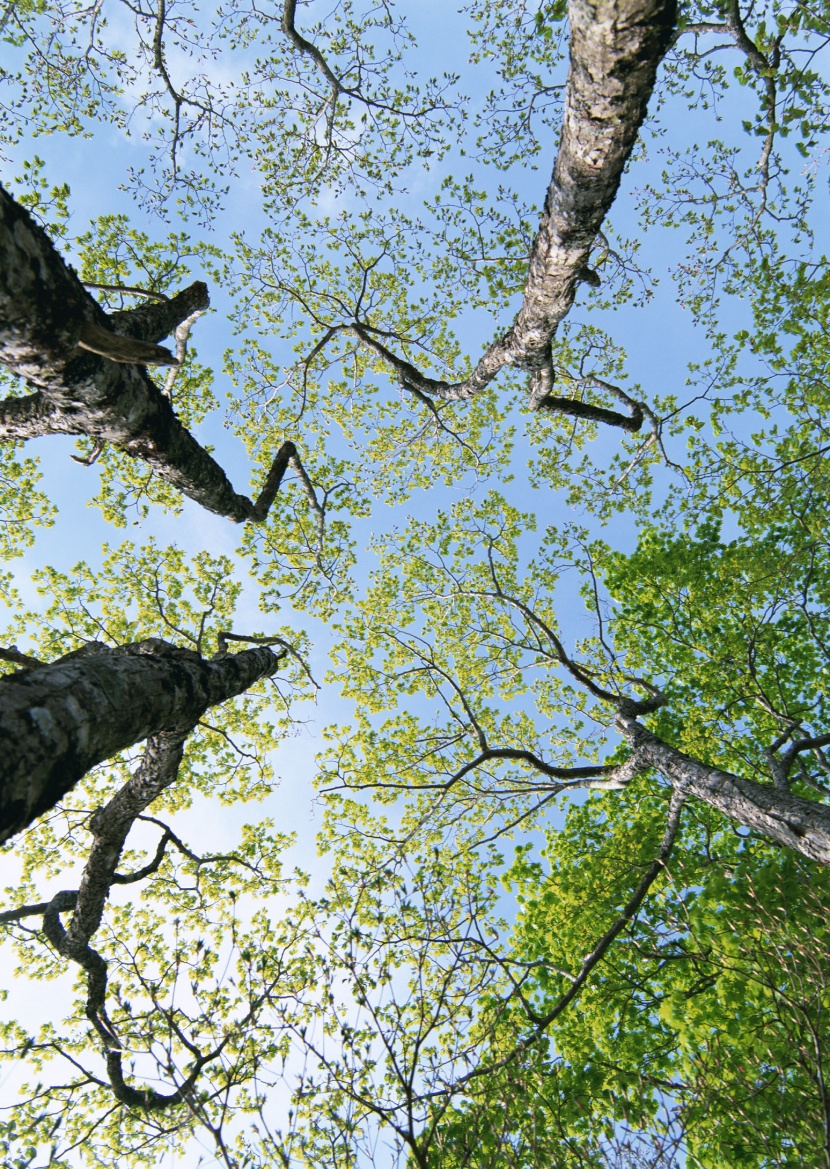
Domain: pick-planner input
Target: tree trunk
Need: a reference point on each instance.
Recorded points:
(616, 47)
(796, 823)
(49, 323)
(60, 720)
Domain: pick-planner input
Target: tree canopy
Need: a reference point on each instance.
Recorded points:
(460, 796)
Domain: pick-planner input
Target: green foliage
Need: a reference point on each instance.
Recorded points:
(23, 506)
(734, 633)
(710, 1020)
(497, 588)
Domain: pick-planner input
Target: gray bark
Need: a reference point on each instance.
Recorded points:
(47, 319)
(616, 47)
(789, 820)
(60, 720)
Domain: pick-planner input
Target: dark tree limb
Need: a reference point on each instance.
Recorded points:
(11, 653)
(147, 870)
(110, 826)
(37, 910)
(52, 334)
(60, 720)
(575, 409)
(284, 456)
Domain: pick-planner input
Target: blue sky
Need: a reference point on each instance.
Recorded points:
(659, 336)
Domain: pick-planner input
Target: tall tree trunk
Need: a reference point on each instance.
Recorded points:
(796, 823)
(59, 720)
(52, 333)
(616, 47)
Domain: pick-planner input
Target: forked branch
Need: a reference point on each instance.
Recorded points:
(616, 48)
(86, 370)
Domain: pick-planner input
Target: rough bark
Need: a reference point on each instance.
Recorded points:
(789, 820)
(60, 720)
(156, 319)
(616, 47)
(48, 326)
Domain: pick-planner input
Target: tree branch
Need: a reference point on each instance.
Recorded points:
(12, 654)
(625, 918)
(796, 823)
(158, 319)
(110, 826)
(616, 47)
(591, 960)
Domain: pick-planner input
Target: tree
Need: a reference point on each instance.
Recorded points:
(638, 1008)
(47, 315)
(66, 717)
(711, 1013)
(159, 590)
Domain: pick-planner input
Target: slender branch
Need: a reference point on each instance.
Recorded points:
(578, 672)
(603, 776)
(12, 654)
(147, 870)
(93, 456)
(308, 49)
(182, 336)
(590, 962)
(628, 914)
(128, 288)
(288, 26)
(314, 504)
